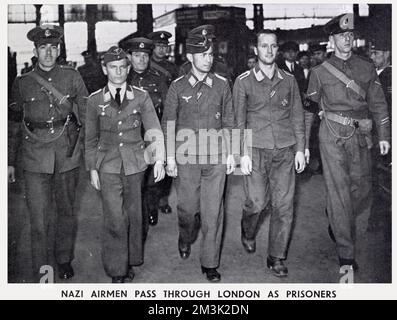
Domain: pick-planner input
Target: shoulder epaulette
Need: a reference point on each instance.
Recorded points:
(154, 72)
(24, 75)
(220, 77)
(364, 59)
(94, 93)
(244, 75)
(140, 89)
(65, 66)
(177, 79)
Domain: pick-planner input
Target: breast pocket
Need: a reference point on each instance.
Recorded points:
(105, 117)
(134, 119)
(283, 99)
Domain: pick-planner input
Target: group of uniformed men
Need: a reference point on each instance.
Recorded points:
(130, 131)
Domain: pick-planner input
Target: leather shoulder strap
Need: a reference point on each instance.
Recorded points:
(47, 85)
(342, 77)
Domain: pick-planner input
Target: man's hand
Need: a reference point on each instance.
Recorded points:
(246, 165)
(230, 164)
(172, 169)
(11, 174)
(94, 178)
(384, 147)
(158, 171)
(300, 162)
(307, 156)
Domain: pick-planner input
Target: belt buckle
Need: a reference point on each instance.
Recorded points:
(51, 125)
(347, 121)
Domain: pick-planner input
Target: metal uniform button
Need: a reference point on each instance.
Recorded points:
(142, 146)
(119, 112)
(120, 134)
(121, 144)
(120, 123)
(26, 137)
(49, 79)
(51, 105)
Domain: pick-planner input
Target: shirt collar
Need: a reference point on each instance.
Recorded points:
(259, 75)
(192, 79)
(112, 91)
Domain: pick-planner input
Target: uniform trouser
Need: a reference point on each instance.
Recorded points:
(379, 209)
(122, 243)
(62, 219)
(155, 194)
(200, 190)
(347, 174)
(272, 179)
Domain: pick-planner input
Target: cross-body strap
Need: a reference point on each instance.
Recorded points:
(47, 85)
(342, 77)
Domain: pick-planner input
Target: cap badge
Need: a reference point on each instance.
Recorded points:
(141, 45)
(162, 36)
(346, 22)
(204, 32)
(117, 51)
(47, 33)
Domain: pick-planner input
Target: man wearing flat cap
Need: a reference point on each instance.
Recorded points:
(48, 104)
(380, 55)
(199, 107)
(318, 53)
(155, 195)
(159, 61)
(116, 157)
(352, 101)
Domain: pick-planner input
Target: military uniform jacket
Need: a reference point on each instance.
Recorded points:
(271, 108)
(336, 97)
(154, 83)
(38, 105)
(113, 134)
(171, 70)
(195, 105)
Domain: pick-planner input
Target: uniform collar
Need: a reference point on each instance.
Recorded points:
(259, 75)
(45, 73)
(192, 79)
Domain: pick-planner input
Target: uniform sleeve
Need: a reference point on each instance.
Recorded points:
(308, 126)
(378, 107)
(169, 120)
(15, 116)
(91, 135)
(80, 100)
(314, 87)
(152, 128)
(228, 116)
(297, 117)
(240, 110)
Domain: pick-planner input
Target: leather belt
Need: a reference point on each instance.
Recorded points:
(346, 121)
(45, 125)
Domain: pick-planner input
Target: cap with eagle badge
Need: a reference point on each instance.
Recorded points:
(46, 33)
(140, 45)
(159, 37)
(200, 39)
(340, 24)
(114, 54)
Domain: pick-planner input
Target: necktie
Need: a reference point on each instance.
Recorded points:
(117, 97)
(292, 68)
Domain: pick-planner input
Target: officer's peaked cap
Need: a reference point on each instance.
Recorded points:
(46, 33)
(340, 24)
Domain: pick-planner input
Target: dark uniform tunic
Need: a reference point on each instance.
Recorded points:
(192, 105)
(272, 109)
(114, 146)
(155, 194)
(346, 162)
(50, 157)
(381, 209)
(166, 68)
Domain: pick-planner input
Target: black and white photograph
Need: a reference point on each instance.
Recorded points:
(190, 143)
